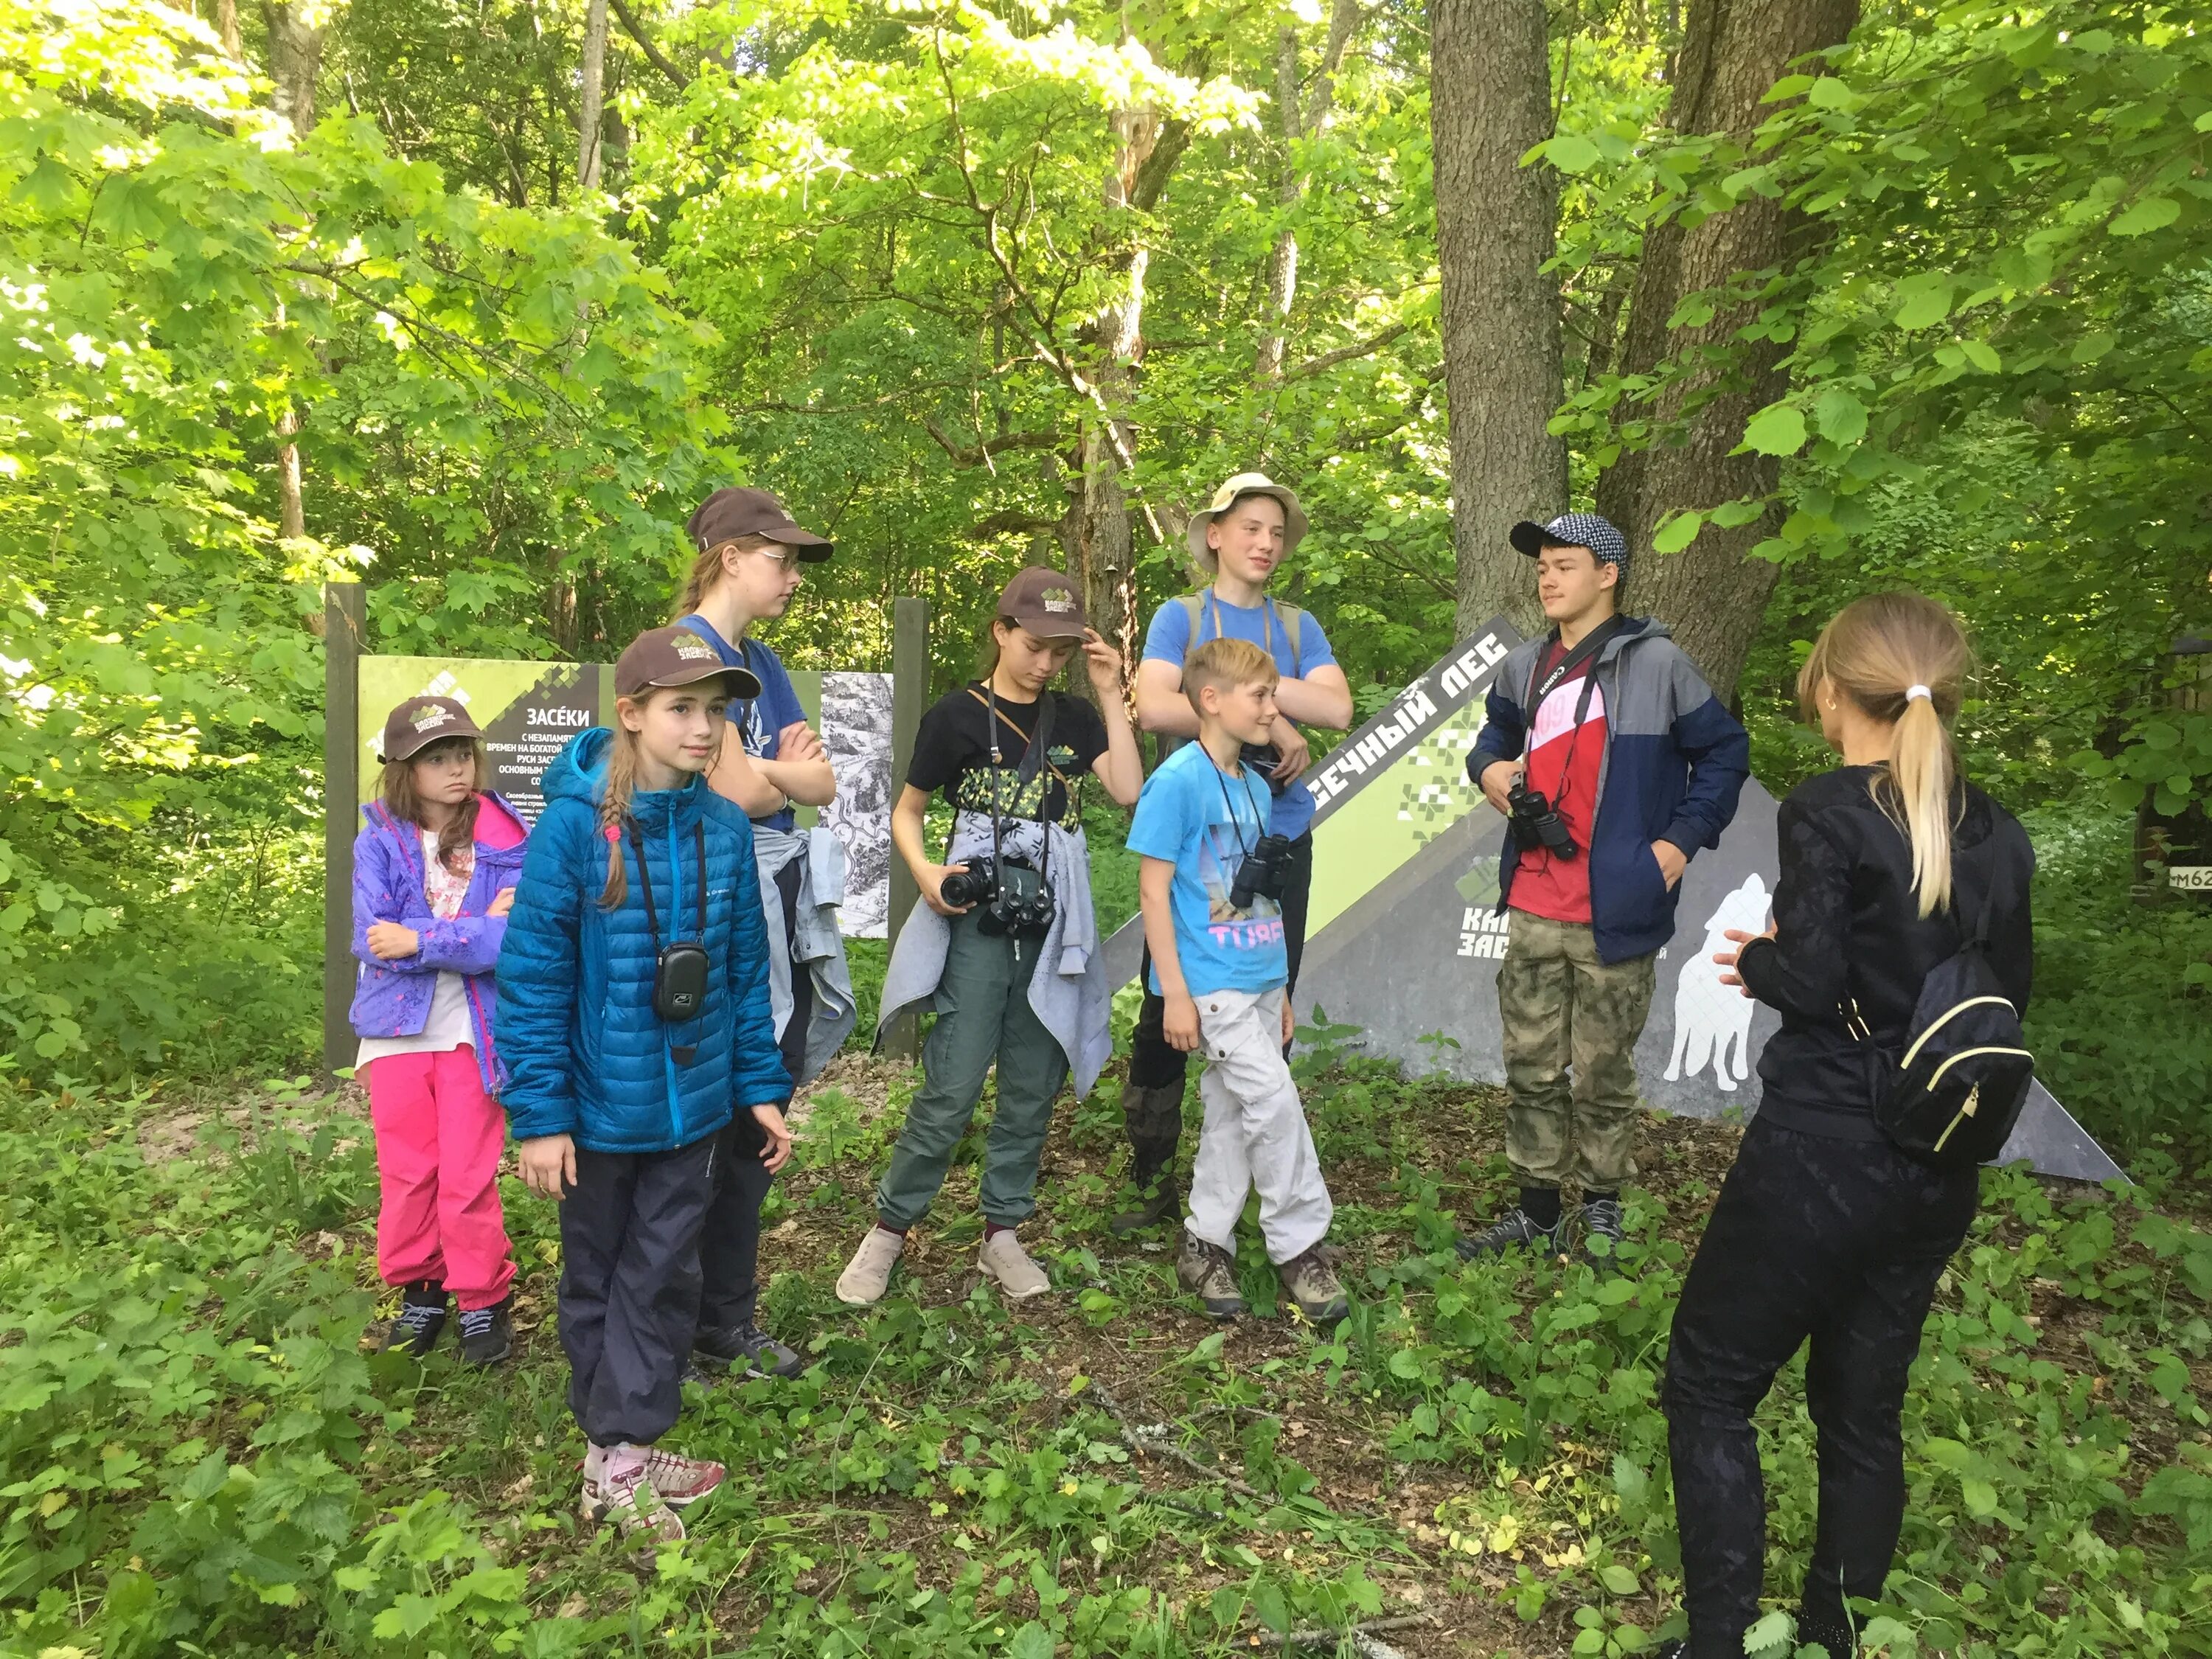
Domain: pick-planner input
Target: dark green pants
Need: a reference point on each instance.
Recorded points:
(984, 1015)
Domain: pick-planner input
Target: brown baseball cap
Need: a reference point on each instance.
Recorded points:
(1043, 600)
(729, 513)
(675, 656)
(421, 721)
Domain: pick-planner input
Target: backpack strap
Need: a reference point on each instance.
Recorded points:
(1290, 616)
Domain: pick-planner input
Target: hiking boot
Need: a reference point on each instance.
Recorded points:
(681, 1480)
(488, 1334)
(641, 1514)
(1514, 1230)
(421, 1316)
(1209, 1273)
(1677, 1649)
(1003, 1259)
(1601, 1219)
(868, 1275)
(1832, 1630)
(1159, 1199)
(1314, 1288)
(745, 1347)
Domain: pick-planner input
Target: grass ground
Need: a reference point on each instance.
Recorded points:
(195, 1456)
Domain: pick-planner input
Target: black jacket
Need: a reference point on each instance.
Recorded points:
(1848, 926)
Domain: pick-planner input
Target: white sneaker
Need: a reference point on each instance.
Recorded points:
(868, 1275)
(1003, 1259)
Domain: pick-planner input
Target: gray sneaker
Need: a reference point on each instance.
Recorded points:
(1206, 1271)
(1602, 1219)
(746, 1349)
(1514, 1230)
(1311, 1284)
(868, 1275)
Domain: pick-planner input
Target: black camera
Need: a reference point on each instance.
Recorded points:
(1536, 823)
(1262, 873)
(1264, 759)
(1011, 893)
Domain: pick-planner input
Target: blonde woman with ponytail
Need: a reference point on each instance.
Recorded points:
(1826, 1232)
(634, 1015)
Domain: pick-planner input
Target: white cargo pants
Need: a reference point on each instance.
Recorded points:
(1254, 1133)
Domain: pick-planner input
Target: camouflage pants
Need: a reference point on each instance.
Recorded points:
(1570, 1023)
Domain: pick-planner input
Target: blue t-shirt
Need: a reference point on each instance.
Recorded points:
(1204, 822)
(1169, 640)
(760, 722)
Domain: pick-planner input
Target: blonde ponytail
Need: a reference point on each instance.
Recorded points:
(1903, 660)
(613, 811)
(707, 570)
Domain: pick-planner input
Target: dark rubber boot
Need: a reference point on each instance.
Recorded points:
(1159, 1199)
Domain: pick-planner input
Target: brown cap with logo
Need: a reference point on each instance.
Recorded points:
(1043, 601)
(421, 721)
(672, 656)
(729, 513)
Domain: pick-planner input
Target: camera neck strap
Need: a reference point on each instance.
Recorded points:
(1221, 777)
(1034, 759)
(1591, 643)
(644, 880)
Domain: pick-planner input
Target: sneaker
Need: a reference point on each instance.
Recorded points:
(1003, 1259)
(1314, 1288)
(1677, 1649)
(1514, 1231)
(681, 1480)
(641, 1514)
(726, 1347)
(1601, 1219)
(1159, 1200)
(421, 1316)
(488, 1334)
(1206, 1270)
(868, 1275)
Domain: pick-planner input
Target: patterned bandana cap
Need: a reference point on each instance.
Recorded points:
(676, 656)
(1607, 544)
(1043, 601)
(421, 721)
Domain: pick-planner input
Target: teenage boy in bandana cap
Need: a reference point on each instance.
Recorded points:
(1607, 719)
(1239, 539)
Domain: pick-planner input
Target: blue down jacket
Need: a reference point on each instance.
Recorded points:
(586, 1054)
(1674, 762)
(393, 999)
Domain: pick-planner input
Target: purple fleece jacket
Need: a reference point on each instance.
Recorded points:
(393, 999)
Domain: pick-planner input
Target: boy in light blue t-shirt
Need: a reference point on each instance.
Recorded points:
(1220, 968)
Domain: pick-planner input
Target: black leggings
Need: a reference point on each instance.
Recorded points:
(729, 1244)
(1152, 1063)
(1841, 1242)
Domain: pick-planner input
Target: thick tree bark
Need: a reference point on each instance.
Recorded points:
(591, 104)
(1713, 594)
(1490, 83)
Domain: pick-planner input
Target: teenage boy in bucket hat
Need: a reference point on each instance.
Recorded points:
(1607, 719)
(1238, 540)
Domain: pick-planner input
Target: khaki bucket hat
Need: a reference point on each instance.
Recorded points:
(1244, 484)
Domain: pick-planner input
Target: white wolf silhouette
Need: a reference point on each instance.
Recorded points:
(1712, 1021)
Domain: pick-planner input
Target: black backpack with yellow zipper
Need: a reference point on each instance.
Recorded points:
(1952, 1096)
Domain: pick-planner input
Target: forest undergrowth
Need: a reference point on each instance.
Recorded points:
(196, 1455)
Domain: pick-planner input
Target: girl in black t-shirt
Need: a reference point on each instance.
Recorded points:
(971, 746)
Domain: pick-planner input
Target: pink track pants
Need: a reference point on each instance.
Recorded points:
(439, 1137)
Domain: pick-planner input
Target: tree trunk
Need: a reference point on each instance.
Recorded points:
(1713, 594)
(226, 28)
(1490, 83)
(1101, 542)
(295, 60)
(1299, 120)
(591, 109)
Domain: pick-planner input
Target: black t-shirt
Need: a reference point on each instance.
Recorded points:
(952, 753)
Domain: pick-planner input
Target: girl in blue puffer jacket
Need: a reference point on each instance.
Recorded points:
(633, 1018)
(433, 874)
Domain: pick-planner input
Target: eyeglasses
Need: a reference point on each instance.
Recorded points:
(786, 560)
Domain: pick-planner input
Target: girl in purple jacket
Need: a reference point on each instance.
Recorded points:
(434, 875)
